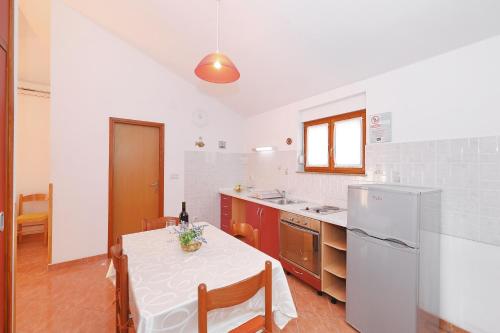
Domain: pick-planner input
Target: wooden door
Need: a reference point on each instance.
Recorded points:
(269, 235)
(136, 175)
(6, 144)
(3, 172)
(4, 23)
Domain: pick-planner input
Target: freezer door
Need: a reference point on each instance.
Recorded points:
(385, 214)
(381, 285)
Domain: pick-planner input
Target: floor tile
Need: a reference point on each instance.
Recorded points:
(79, 298)
(74, 299)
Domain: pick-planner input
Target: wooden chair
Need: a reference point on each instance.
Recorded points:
(120, 262)
(236, 294)
(157, 222)
(25, 219)
(246, 233)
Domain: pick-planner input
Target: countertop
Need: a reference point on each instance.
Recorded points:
(339, 218)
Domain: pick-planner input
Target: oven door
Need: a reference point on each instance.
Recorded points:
(300, 246)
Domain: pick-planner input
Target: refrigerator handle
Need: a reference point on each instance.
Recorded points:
(359, 232)
(397, 243)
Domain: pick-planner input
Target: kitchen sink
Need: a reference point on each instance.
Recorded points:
(282, 201)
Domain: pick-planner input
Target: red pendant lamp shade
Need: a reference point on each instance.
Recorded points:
(217, 68)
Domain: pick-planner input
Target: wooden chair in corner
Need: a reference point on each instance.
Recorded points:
(236, 294)
(246, 233)
(124, 323)
(157, 222)
(30, 219)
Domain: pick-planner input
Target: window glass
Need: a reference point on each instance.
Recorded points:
(348, 143)
(317, 145)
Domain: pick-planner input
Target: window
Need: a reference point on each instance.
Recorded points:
(336, 144)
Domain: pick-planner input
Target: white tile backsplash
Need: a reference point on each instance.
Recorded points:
(467, 170)
(206, 173)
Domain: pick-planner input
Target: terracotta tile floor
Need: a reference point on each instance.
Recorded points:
(79, 298)
(316, 313)
(71, 299)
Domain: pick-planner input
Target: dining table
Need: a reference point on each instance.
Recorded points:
(164, 279)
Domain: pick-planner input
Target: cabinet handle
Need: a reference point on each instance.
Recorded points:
(296, 271)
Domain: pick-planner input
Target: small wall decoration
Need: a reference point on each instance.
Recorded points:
(380, 127)
(200, 118)
(289, 141)
(199, 143)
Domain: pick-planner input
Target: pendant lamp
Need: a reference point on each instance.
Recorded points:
(217, 67)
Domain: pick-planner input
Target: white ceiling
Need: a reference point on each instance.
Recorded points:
(287, 50)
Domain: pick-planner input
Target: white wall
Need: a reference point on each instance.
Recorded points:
(95, 76)
(32, 153)
(454, 95)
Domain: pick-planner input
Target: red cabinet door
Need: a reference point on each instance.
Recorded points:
(269, 232)
(4, 23)
(252, 214)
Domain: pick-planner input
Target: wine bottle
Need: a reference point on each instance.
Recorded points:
(183, 216)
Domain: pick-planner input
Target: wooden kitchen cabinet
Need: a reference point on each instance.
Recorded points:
(333, 276)
(225, 212)
(266, 219)
(269, 232)
(252, 214)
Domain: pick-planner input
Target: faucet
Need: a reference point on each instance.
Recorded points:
(282, 193)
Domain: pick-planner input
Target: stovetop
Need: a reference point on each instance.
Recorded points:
(323, 210)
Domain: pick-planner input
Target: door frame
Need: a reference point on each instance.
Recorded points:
(9, 181)
(112, 122)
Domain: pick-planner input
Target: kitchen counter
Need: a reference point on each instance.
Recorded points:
(339, 218)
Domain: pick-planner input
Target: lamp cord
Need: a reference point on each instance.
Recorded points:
(218, 25)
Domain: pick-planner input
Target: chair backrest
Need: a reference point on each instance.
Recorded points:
(157, 222)
(236, 294)
(247, 233)
(120, 262)
(37, 197)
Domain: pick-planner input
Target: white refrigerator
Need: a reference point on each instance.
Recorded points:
(385, 224)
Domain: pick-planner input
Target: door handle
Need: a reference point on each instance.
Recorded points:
(153, 184)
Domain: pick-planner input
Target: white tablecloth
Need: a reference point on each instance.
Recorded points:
(163, 281)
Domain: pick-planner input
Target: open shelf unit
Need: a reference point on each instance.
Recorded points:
(333, 261)
(238, 211)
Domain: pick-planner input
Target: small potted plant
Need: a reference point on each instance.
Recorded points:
(191, 237)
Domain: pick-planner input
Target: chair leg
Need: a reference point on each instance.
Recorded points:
(46, 234)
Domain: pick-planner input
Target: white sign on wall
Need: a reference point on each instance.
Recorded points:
(380, 127)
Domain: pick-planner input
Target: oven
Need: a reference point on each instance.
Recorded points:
(300, 242)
